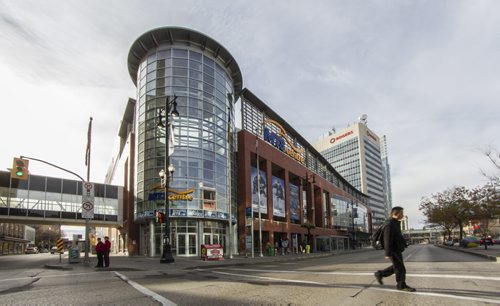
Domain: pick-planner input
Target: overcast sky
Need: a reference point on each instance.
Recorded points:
(427, 73)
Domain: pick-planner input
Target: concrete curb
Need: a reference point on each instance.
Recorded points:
(489, 257)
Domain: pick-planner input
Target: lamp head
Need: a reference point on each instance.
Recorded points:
(171, 169)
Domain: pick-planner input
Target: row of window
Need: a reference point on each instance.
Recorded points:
(58, 185)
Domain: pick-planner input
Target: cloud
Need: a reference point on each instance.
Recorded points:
(425, 72)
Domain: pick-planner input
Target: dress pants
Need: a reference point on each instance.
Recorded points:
(398, 268)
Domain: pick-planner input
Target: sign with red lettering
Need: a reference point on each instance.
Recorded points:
(333, 139)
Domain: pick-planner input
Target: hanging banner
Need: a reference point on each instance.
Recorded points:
(263, 191)
(294, 202)
(278, 197)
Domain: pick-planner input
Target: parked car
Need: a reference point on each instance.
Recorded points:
(488, 240)
(55, 250)
(469, 242)
(496, 240)
(31, 250)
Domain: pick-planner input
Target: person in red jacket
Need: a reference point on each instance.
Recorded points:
(99, 249)
(107, 249)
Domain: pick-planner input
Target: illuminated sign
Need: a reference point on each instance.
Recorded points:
(174, 195)
(282, 141)
(333, 139)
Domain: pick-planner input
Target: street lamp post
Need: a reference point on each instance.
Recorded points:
(170, 109)
(353, 226)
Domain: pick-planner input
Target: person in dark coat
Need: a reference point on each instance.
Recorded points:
(107, 249)
(99, 249)
(394, 245)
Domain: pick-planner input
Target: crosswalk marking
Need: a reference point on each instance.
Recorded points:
(456, 276)
(431, 294)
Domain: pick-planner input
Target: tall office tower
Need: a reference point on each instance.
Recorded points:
(357, 154)
(386, 169)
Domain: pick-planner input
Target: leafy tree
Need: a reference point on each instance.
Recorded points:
(46, 236)
(450, 208)
(487, 206)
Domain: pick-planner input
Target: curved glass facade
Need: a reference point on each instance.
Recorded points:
(203, 154)
(203, 150)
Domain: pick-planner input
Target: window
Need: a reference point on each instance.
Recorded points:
(209, 199)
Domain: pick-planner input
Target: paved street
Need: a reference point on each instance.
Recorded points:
(441, 276)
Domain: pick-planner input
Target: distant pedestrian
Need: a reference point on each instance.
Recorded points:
(394, 245)
(284, 250)
(107, 249)
(99, 249)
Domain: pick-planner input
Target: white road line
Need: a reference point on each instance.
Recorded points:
(272, 278)
(469, 298)
(463, 276)
(50, 275)
(145, 291)
(477, 299)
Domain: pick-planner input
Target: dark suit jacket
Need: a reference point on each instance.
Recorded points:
(394, 242)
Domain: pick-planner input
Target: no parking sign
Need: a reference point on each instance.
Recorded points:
(87, 200)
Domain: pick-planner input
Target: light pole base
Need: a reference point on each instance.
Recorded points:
(167, 256)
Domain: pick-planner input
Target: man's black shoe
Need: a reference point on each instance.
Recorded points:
(378, 277)
(407, 289)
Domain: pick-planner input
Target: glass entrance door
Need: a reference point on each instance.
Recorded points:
(187, 244)
(211, 238)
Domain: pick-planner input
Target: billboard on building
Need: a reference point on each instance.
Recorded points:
(263, 191)
(278, 197)
(294, 202)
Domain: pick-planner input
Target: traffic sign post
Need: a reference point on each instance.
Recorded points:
(88, 200)
(60, 247)
(87, 213)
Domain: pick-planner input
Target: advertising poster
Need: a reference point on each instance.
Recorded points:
(263, 191)
(278, 197)
(294, 202)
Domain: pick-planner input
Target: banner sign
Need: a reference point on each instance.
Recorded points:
(294, 202)
(278, 197)
(255, 189)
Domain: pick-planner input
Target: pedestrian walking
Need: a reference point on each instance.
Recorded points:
(107, 249)
(394, 245)
(284, 250)
(99, 249)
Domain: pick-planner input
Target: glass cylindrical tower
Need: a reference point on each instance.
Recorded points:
(206, 79)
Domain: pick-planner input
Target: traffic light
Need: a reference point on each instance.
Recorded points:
(159, 217)
(19, 169)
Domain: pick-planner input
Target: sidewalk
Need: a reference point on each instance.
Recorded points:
(492, 253)
(141, 263)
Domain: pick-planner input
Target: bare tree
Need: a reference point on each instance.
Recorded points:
(494, 157)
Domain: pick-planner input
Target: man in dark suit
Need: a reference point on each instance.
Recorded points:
(394, 245)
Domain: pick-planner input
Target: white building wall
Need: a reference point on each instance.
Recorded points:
(363, 161)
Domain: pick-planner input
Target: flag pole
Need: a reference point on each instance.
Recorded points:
(87, 220)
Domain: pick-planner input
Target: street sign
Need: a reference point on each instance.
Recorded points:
(60, 245)
(88, 200)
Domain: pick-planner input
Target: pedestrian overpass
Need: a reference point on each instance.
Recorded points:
(57, 201)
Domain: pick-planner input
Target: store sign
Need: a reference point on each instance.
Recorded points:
(282, 141)
(333, 139)
(174, 195)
